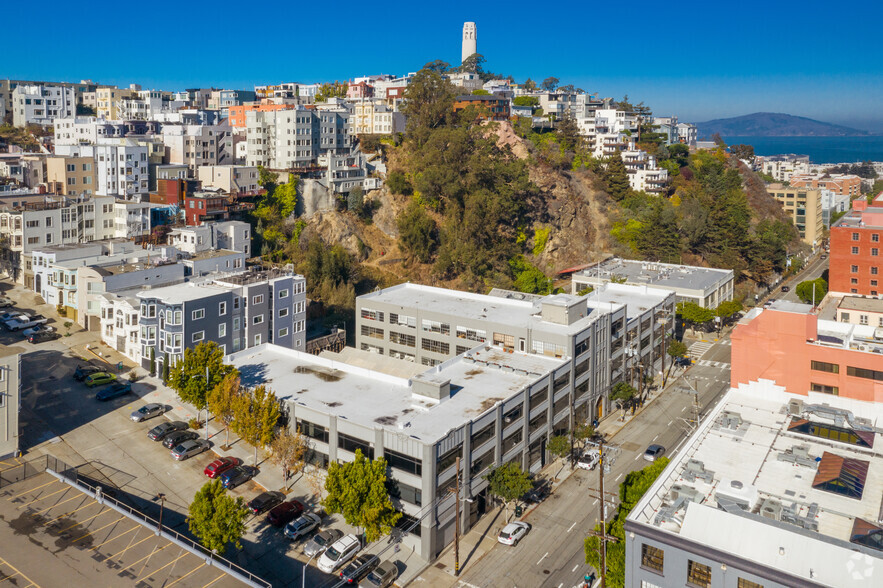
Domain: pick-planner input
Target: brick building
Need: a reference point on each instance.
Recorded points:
(855, 244)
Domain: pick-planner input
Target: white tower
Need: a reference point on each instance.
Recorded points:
(470, 40)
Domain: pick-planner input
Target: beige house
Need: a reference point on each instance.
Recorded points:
(804, 206)
(71, 176)
(109, 101)
(857, 310)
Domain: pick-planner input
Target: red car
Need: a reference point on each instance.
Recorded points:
(219, 466)
(284, 513)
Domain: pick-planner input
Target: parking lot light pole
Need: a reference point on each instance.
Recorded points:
(162, 502)
(303, 579)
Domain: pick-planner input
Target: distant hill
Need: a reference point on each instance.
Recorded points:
(770, 124)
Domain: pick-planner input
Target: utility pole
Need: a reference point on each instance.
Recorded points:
(457, 521)
(602, 535)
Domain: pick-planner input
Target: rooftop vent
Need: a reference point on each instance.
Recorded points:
(695, 470)
(799, 454)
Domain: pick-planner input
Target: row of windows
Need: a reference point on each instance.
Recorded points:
(698, 574)
(874, 270)
(875, 237)
(435, 346)
(402, 339)
(874, 251)
(855, 372)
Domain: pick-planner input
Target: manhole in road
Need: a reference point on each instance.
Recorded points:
(546, 572)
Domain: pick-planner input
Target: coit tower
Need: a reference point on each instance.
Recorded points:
(470, 38)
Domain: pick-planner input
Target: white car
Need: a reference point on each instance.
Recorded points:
(513, 532)
(4, 302)
(589, 460)
(342, 551)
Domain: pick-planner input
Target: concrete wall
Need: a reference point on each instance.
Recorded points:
(10, 397)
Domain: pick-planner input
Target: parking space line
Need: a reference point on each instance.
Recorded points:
(115, 555)
(96, 530)
(155, 550)
(53, 481)
(185, 575)
(67, 514)
(65, 489)
(17, 573)
(85, 520)
(48, 508)
(215, 580)
(185, 554)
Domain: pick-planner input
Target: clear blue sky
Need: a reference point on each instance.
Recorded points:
(699, 60)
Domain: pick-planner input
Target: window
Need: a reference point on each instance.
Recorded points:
(403, 462)
(561, 381)
(313, 431)
(435, 346)
(875, 237)
(854, 269)
(823, 366)
(257, 340)
(198, 314)
(403, 491)
(483, 435)
(504, 340)
(855, 236)
(652, 558)
(283, 293)
(198, 336)
(403, 320)
(538, 398)
(282, 332)
(538, 421)
(873, 269)
(283, 312)
(402, 339)
(698, 574)
(437, 327)
(512, 441)
(513, 414)
(374, 332)
(743, 583)
(857, 372)
(482, 463)
(447, 459)
(222, 309)
(222, 330)
(372, 315)
(472, 334)
(257, 319)
(874, 251)
(259, 299)
(855, 250)
(351, 444)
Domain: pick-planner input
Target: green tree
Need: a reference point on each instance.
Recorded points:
(266, 178)
(429, 102)
(528, 277)
(728, 308)
(256, 414)
(530, 86)
(216, 518)
(804, 290)
(437, 66)
(288, 451)
(165, 369)
(559, 446)
(676, 349)
(355, 200)
(285, 196)
(473, 64)
(617, 178)
(583, 433)
(418, 232)
(745, 152)
(508, 482)
(694, 314)
(358, 491)
(531, 101)
(480, 92)
(567, 132)
(550, 83)
(201, 370)
(152, 362)
(222, 401)
(624, 395)
(398, 183)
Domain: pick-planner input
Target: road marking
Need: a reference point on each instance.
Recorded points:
(542, 558)
(618, 477)
(215, 580)
(571, 527)
(595, 502)
(149, 555)
(32, 489)
(59, 504)
(561, 584)
(17, 573)
(96, 530)
(637, 456)
(185, 575)
(668, 425)
(683, 409)
(185, 554)
(120, 535)
(574, 568)
(65, 489)
(67, 514)
(657, 436)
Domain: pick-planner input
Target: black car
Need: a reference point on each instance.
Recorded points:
(359, 568)
(786, 289)
(175, 438)
(159, 432)
(115, 390)
(41, 336)
(264, 502)
(83, 371)
(684, 361)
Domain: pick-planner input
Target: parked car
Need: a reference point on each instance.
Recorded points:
(26, 322)
(264, 502)
(41, 336)
(683, 361)
(158, 432)
(654, 452)
(786, 289)
(37, 329)
(4, 302)
(175, 438)
(148, 411)
(359, 568)
(513, 532)
(236, 476)
(85, 370)
(188, 449)
(285, 513)
(8, 317)
(824, 256)
(219, 466)
(769, 303)
(321, 541)
(302, 525)
(114, 391)
(589, 460)
(343, 550)
(99, 379)
(381, 577)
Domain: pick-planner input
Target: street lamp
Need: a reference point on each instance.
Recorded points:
(162, 502)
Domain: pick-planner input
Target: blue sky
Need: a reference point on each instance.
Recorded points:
(699, 60)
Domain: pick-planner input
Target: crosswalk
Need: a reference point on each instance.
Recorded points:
(710, 363)
(699, 348)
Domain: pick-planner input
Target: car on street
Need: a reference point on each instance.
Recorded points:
(219, 466)
(343, 550)
(264, 502)
(589, 460)
(654, 452)
(190, 448)
(284, 513)
(85, 370)
(99, 379)
(683, 361)
(302, 525)
(769, 303)
(148, 411)
(236, 476)
(158, 432)
(4, 302)
(115, 390)
(321, 541)
(175, 438)
(824, 256)
(359, 568)
(786, 289)
(512, 533)
(381, 577)
(40, 336)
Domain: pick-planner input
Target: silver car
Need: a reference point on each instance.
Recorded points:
(381, 576)
(190, 448)
(148, 411)
(321, 541)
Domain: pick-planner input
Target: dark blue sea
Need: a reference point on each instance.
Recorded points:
(819, 149)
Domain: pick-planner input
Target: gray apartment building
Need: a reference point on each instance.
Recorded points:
(706, 286)
(489, 406)
(603, 335)
(286, 139)
(10, 399)
(236, 311)
(772, 490)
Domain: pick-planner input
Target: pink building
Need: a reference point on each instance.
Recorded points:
(360, 90)
(788, 344)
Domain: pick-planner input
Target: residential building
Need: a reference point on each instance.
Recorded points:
(71, 176)
(668, 126)
(87, 130)
(109, 101)
(344, 172)
(41, 104)
(147, 104)
(855, 244)
(237, 114)
(772, 489)
(197, 145)
(467, 80)
(121, 166)
(24, 168)
(231, 235)
(359, 90)
(790, 345)
(238, 180)
(858, 310)
(118, 324)
(493, 107)
(804, 206)
(371, 117)
(840, 184)
(206, 205)
(291, 139)
(833, 204)
(487, 407)
(228, 98)
(688, 133)
(8, 86)
(706, 286)
(286, 90)
(10, 400)
(213, 261)
(237, 311)
(643, 173)
(782, 167)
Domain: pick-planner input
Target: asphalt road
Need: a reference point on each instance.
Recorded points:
(812, 271)
(552, 553)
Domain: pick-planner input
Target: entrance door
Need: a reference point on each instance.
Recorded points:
(521, 345)
(37, 283)
(599, 409)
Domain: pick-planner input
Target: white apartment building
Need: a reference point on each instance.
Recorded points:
(198, 145)
(147, 104)
(644, 174)
(118, 323)
(468, 81)
(782, 167)
(121, 168)
(228, 235)
(41, 104)
(688, 134)
(286, 139)
(87, 130)
(370, 117)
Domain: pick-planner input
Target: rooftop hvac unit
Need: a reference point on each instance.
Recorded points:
(771, 509)
(795, 407)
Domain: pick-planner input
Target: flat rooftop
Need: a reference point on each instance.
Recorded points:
(832, 334)
(479, 379)
(856, 218)
(181, 293)
(494, 309)
(755, 469)
(636, 299)
(212, 253)
(665, 275)
(859, 303)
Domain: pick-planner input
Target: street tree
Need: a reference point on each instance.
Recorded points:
(508, 482)
(812, 291)
(693, 314)
(675, 350)
(727, 309)
(583, 433)
(256, 414)
(201, 370)
(288, 450)
(559, 446)
(550, 83)
(358, 491)
(624, 395)
(216, 518)
(222, 402)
